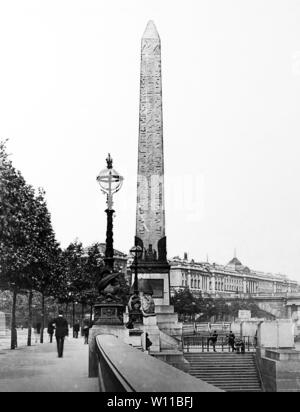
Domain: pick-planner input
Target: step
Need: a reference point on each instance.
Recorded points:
(218, 362)
(229, 386)
(228, 380)
(228, 371)
(233, 385)
(225, 355)
(240, 387)
(220, 365)
(221, 355)
(208, 366)
(222, 368)
(227, 361)
(212, 360)
(225, 374)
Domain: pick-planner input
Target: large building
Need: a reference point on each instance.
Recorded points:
(211, 279)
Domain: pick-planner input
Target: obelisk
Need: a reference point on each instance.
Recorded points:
(150, 210)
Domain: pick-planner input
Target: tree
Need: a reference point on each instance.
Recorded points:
(185, 303)
(27, 243)
(16, 225)
(73, 279)
(46, 254)
(93, 265)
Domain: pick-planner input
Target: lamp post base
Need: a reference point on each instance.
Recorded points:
(108, 314)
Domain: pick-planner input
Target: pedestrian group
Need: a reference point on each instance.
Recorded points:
(235, 344)
(60, 327)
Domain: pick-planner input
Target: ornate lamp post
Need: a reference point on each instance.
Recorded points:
(109, 306)
(136, 252)
(110, 182)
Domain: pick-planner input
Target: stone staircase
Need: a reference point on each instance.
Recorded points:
(229, 371)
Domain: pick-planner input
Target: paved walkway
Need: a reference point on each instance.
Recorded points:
(38, 369)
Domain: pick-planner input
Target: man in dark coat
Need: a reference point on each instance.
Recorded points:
(231, 341)
(61, 331)
(213, 339)
(51, 330)
(76, 329)
(86, 330)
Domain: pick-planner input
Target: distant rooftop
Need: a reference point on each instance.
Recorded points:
(234, 262)
(234, 267)
(102, 247)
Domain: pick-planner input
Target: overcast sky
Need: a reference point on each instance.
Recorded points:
(69, 94)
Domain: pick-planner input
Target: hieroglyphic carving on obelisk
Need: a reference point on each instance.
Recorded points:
(150, 213)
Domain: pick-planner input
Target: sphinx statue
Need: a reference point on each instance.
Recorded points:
(109, 287)
(143, 302)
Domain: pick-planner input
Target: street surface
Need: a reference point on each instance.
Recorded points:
(38, 369)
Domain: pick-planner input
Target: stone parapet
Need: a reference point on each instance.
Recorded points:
(280, 369)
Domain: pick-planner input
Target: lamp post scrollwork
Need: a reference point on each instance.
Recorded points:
(109, 307)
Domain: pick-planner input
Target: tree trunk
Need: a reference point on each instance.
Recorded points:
(29, 318)
(73, 314)
(43, 319)
(82, 317)
(82, 311)
(14, 341)
(91, 314)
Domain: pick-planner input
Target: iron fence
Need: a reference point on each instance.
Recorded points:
(204, 344)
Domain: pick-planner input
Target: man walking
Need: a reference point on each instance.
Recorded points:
(76, 329)
(61, 332)
(86, 330)
(51, 330)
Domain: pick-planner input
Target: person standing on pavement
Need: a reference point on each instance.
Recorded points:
(86, 330)
(50, 330)
(231, 341)
(213, 339)
(76, 329)
(62, 330)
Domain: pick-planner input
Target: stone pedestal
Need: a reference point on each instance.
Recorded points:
(162, 279)
(150, 327)
(249, 327)
(108, 314)
(278, 361)
(276, 334)
(280, 369)
(167, 321)
(2, 324)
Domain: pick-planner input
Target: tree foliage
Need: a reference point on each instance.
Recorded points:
(205, 309)
(28, 249)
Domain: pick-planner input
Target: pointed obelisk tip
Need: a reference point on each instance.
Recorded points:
(150, 31)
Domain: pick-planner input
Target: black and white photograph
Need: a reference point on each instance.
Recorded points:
(150, 198)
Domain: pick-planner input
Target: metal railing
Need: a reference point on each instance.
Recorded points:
(204, 344)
